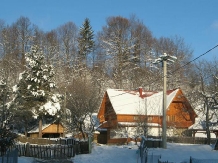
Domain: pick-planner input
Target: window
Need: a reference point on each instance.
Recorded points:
(150, 119)
(168, 118)
(136, 118)
(171, 118)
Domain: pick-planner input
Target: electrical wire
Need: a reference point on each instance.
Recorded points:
(185, 64)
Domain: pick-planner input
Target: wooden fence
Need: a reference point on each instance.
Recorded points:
(79, 146)
(190, 140)
(46, 151)
(144, 156)
(51, 148)
(195, 160)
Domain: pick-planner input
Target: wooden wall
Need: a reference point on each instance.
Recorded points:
(50, 131)
(54, 128)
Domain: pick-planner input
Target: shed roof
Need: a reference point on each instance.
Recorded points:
(44, 126)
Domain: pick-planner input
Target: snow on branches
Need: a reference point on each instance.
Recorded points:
(34, 90)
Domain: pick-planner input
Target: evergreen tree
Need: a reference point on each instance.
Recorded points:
(85, 40)
(4, 111)
(6, 135)
(33, 93)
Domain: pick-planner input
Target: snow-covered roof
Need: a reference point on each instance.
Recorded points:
(130, 102)
(200, 121)
(36, 129)
(201, 125)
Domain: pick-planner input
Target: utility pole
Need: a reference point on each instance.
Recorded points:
(163, 59)
(164, 125)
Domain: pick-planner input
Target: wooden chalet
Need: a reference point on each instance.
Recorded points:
(52, 130)
(123, 111)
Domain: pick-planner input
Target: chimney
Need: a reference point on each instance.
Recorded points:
(140, 91)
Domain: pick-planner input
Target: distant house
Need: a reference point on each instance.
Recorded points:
(122, 112)
(199, 128)
(52, 130)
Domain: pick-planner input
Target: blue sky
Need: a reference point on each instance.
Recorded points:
(194, 20)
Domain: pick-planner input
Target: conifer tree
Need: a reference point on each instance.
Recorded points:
(85, 40)
(6, 135)
(34, 93)
(4, 112)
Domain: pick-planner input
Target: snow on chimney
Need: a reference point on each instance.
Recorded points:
(140, 91)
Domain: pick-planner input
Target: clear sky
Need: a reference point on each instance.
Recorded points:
(194, 20)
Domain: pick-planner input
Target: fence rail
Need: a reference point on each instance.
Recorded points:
(43, 141)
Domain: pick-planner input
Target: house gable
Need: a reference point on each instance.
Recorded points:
(54, 128)
(101, 111)
(180, 113)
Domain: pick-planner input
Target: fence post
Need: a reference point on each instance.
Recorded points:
(15, 155)
(90, 143)
(27, 149)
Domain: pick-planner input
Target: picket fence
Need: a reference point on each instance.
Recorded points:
(61, 149)
(196, 160)
(46, 151)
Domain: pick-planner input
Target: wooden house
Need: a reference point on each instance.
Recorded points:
(52, 130)
(124, 114)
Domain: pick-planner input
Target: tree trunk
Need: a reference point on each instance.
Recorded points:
(40, 128)
(81, 130)
(25, 132)
(207, 123)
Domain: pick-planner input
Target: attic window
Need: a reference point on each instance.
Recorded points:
(171, 118)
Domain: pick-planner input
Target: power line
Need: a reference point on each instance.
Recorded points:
(186, 63)
(196, 58)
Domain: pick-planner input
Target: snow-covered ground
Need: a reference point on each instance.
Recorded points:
(176, 153)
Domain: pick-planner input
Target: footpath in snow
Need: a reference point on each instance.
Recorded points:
(109, 154)
(177, 153)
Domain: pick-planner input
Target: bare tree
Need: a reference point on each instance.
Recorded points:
(117, 43)
(67, 36)
(207, 95)
(82, 102)
(179, 70)
(51, 47)
(24, 31)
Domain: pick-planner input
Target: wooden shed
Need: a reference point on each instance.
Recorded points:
(52, 130)
(122, 111)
